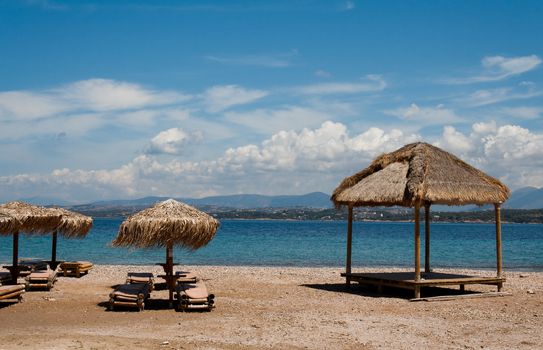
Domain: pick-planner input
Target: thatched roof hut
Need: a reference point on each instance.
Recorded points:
(419, 172)
(417, 175)
(167, 223)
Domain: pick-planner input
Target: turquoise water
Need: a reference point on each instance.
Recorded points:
(308, 243)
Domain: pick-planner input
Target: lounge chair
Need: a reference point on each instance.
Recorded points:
(141, 277)
(27, 266)
(130, 294)
(75, 268)
(5, 277)
(41, 279)
(185, 277)
(12, 292)
(194, 295)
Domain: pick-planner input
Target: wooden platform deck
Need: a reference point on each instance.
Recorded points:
(429, 279)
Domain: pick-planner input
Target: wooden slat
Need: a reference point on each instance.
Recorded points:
(463, 296)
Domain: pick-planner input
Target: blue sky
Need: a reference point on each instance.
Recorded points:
(126, 99)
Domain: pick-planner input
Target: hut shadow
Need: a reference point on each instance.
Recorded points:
(387, 292)
(7, 303)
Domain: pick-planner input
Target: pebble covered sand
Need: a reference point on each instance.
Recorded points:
(275, 308)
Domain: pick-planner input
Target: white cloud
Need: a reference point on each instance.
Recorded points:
(498, 68)
(171, 141)
(372, 83)
(266, 121)
(524, 90)
(279, 60)
(322, 73)
(425, 115)
(26, 105)
(106, 95)
(527, 113)
(288, 161)
(348, 6)
(221, 97)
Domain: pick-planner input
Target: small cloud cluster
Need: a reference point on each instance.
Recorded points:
(172, 141)
(497, 68)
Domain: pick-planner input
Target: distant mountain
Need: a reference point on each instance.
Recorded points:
(526, 198)
(45, 201)
(310, 200)
(241, 201)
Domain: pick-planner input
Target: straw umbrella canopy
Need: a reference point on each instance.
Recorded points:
(72, 225)
(7, 224)
(31, 219)
(416, 175)
(167, 224)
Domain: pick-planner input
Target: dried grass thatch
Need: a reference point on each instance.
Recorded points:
(8, 224)
(166, 224)
(32, 218)
(72, 224)
(419, 172)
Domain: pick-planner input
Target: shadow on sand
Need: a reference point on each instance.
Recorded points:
(387, 292)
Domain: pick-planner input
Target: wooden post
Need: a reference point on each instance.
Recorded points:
(15, 258)
(427, 237)
(349, 245)
(169, 272)
(417, 241)
(497, 207)
(54, 250)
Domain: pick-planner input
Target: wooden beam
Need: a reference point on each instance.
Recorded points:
(54, 249)
(427, 237)
(168, 269)
(497, 211)
(349, 245)
(417, 241)
(15, 257)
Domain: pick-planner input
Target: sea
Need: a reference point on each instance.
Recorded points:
(308, 244)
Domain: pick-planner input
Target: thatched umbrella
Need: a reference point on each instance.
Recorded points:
(418, 175)
(7, 224)
(72, 225)
(167, 224)
(32, 219)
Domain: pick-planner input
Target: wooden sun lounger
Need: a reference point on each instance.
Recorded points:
(75, 268)
(131, 295)
(41, 279)
(12, 292)
(194, 296)
(5, 277)
(141, 277)
(185, 277)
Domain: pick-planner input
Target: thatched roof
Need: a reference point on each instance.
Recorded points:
(32, 219)
(72, 224)
(7, 224)
(168, 222)
(419, 172)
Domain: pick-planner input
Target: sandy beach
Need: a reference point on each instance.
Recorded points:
(274, 308)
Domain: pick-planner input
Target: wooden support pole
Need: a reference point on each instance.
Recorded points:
(169, 272)
(417, 242)
(427, 237)
(497, 207)
(349, 245)
(15, 258)
(54, 250)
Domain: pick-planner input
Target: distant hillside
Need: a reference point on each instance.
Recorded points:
(242, 201)
(310, 200)
(526, 198)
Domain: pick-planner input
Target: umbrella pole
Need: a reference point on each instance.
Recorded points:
(15, 261)
(169, 272)
(54, 251)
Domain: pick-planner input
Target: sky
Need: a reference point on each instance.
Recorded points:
(126, 99)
